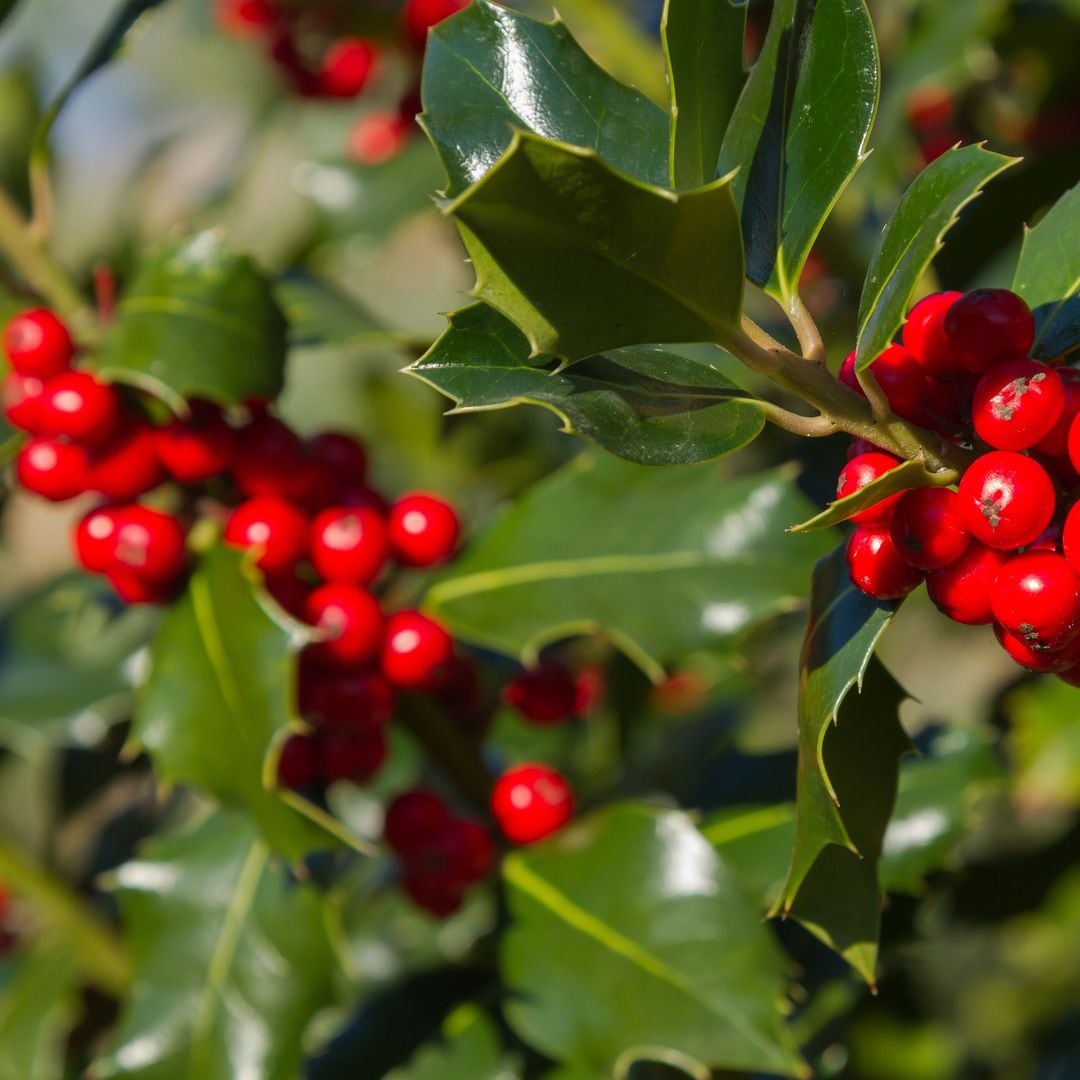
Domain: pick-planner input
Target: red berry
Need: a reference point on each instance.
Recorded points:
(1006, 499)
(22, 397)
(1041, 660)
(877, 566)
(423, 530)
(530, 802)
(1074, 444)
(961, 590)
(376, 137)
(340, 455)
(127, 466)
(927, 529)
(345, 698)
(95, 539)
(987, 326)
(1037, 597)
(298, 762)
(1055, 443)
(440, 897)
(198, 447)
(246, 18)
(458, 851)
(349, 544)
(412, 819)
(274, 528)
(898, 374)
(942, 411)
(78, 406)
(352, 620)
(353, 754)
(1017, 403)
(859, 472)
(133, 589)
(38, 344)
(862, 446)
(1070, 538)
(478, 849)
(543, 695)
(420, 15)
(924, 335)
(148, 544)
(347, 67)
(417, 653)
(55, 470)
(269, 459)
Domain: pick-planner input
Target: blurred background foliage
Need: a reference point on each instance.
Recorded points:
(980, 972)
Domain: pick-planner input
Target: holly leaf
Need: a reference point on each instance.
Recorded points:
(1048, 276)
(490, 71)
(232, 959)
(644, 404)
(219, 696)
(799, 132)
(703, 46)
(318, 314)
(197, 320)
(469, 1046)
(906, 475)
(629, 938)
(756, 842)
(913, 236)
(557, 236)
(663, 563)
(850, 746)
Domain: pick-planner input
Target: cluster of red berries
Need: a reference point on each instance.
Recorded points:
(305, 43)
(1004, 547)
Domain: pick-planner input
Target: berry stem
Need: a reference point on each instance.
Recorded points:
(806, 329)
(28, 256)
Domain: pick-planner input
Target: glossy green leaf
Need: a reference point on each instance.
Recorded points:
(38, 1005)
(1048, 276)
(198, 320)
(219, 693)
(799, 131)
(934, 805)
(468, 1046)
(232, 959)
(913, 236)
(557, 235)
(645, 405)
(703, 46)
(663, 563)
(850, 746)
(629, 936)
(69, 663)
(907, 475)
(756, 842)
(490, 71)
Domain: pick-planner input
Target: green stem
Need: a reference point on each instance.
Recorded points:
(100, 953)
(28, 256)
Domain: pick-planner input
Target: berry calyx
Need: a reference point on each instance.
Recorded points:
(38, 344)
(198, 447)
(352, 621)
(986, 326)
(417, 653)
(927, 529)
(863, 470)
(961, 590)
(1034, 659)
(544, 695)
(423, 530)
(271, 527)
(77, 406)
(53, 469)
(924, 335)
(530, 802)
(877, 566)
(1006, 499)
(349, 544)
(1017, 403)
(1036, 597)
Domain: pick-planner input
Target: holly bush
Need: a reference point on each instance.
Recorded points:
(348, 733)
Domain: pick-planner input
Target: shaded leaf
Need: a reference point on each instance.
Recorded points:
(913, 236)
(231, 957)
(1044, 744)
(703, 46)
(663, 563)
(583, 258)
(318, 314)
(756, 842)
(906, 475)
(629, 935)
(1048, 276)
(468, 1046)
(799, 131)
(850, 746)
(490, 70)
(645, 405)
(219, 692)
(197, 320)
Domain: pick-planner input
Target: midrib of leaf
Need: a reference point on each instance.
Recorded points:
(223, 956)
(171, 305)
(755, 821)
(560, 905)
